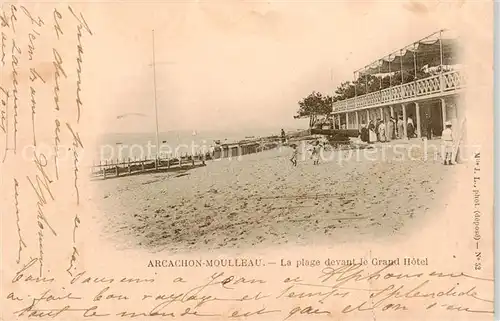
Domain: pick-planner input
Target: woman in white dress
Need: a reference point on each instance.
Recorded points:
(381, 132)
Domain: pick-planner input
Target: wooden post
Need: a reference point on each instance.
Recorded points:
(401, 69)
(104, 169)
(415, 62)
(417, 111)
(192, 160)
(129, 169)
(355, 94)
(441, 78)
(392, 111)
(357, 119)
(443, 111)
(168, 162)
(366, 85)
(142, 163)
(379, 77)
(405, 123)
(116, 168)
(390, 73)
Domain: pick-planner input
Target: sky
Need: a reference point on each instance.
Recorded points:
(233, 65)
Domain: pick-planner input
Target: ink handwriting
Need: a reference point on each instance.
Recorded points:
(57, 27)
(201, 299)
(21, 243)
(15, 62)
(79, 60)
(3, 45)
(58, 61)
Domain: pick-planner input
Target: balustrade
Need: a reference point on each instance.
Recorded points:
(446, 82)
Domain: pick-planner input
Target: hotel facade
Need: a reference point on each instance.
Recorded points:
(423, 81)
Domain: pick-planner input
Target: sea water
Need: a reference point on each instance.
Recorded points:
(137, 146)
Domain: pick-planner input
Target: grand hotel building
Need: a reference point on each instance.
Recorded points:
(423, 80)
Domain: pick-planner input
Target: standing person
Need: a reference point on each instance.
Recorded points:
(364, 133)
(295, 153)
(447, 141)
(315, 153)
(381, 132)
(428, 122)
(372, 137)
(283, 136)
(390, 129)
(376, 124)
(410, 128)
(401, 127)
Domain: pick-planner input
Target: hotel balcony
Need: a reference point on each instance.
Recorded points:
(436, 86)
(421, 82)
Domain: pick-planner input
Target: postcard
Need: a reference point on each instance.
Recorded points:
(246, 160)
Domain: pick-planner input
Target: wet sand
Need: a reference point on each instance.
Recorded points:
(261, 200)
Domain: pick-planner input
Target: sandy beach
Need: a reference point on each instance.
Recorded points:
(261, 200)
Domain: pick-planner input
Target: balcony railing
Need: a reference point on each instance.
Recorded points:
(442, 83)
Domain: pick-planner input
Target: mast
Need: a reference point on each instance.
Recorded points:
(156, 107)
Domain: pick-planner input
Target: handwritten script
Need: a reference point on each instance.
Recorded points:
(342, 290)
(43, 64)
(44, 57)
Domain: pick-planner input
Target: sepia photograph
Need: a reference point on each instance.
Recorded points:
(350, 154)
(256, 160)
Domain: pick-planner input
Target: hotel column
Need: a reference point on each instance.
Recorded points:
(443, 111)
(367, 116)
(392, 111)
(405, 124)
(381, 113)
(340, 124)
(417, 111)
(333, 120)
(346, 120)
(357, 119)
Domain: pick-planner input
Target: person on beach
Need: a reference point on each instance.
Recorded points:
(315, 152)
(381, 132)
(410, 128)
(401, 127)
(372, 137)
(364, 133)
(447, 146)
(391, 126)
(283, 136)
(295, 153)
(428, 122)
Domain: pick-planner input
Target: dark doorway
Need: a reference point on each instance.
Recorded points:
(431, 119)
(436, 118)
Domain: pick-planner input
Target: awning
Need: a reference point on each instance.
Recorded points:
(424, 52)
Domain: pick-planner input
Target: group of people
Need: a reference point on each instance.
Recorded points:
(383, 132)
(315, 153)
(394, 129)
(380, 131)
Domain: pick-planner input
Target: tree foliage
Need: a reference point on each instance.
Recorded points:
(314, 105)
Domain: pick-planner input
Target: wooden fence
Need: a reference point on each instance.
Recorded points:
(122, 168)
(109, 169)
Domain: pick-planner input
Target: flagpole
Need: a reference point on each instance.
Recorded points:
(156, 107)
